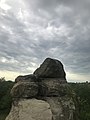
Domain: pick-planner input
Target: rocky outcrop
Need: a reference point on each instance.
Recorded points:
(44, 95)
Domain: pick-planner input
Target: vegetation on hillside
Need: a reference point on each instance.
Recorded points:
(5, 97)
(83, 93)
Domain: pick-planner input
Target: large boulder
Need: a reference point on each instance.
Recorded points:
(50, 68)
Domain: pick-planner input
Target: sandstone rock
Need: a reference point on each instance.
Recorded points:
(45, 95)
(32, 109)
(50, 68)
(24, 90)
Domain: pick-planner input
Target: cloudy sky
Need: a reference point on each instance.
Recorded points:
(31, 30)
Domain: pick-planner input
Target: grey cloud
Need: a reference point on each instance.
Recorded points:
(62, 34)
(70, 12)
(51, 4)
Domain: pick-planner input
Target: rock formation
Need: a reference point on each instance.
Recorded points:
(44, 95)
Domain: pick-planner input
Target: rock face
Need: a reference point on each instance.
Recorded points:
(50, 68)
(32, 109)
(44, 95)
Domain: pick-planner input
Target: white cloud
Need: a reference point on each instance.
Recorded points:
(3, 5)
